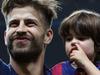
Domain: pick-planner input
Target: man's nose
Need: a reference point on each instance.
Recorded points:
(21, 30)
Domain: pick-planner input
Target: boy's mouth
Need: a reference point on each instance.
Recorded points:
(73, 48)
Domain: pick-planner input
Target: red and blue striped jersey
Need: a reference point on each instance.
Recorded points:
(65, 68)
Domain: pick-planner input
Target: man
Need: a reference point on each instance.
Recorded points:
(28, 32)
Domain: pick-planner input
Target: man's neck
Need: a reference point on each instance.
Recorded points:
(32, 68)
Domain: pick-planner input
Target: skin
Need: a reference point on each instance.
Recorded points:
(26, 35)
(87, 45)
(82, 53)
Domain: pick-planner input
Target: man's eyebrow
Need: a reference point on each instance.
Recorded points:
(13, 20)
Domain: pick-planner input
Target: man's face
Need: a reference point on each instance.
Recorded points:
(25, 33)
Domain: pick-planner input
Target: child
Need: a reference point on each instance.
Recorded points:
(81, 35)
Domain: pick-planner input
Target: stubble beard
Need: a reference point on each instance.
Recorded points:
(30, 55)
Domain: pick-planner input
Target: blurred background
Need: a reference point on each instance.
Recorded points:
(55, 51)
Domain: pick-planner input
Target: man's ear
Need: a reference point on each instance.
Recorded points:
(48, 36)
(5, 38)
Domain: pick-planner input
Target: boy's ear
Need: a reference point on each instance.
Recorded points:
(48, 36)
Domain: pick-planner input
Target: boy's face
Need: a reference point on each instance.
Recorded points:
(86, 44)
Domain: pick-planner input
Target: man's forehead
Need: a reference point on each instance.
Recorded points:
(24, 12)
(21, 17)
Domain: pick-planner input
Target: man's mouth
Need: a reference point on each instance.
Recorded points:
(21, 40)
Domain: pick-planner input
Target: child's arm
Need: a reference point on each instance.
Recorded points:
(82, 61)
(90, 68)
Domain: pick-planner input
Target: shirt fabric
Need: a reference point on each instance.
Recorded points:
(65, 68)
(8, 70)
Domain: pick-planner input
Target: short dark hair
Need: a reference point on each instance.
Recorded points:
(82, 22)
(47, 7)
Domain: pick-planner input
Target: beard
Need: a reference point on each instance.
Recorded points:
(28, 54)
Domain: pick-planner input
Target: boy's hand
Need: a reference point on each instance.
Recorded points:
(78, 56)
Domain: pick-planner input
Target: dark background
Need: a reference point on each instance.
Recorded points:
(55, 51)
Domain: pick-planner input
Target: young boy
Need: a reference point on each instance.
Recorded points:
(81, 35)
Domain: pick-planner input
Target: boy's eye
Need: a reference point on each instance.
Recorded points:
(68, 38)
(82, 38)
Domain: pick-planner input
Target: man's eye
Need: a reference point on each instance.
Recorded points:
(30, 23)
(14, 23)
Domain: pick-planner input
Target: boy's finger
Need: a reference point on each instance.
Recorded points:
(78, 47)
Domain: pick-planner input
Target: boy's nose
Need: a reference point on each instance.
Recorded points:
(74, 41)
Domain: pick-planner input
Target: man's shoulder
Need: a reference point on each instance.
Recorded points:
(6, 69)
(47, 71)
(3, 65)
